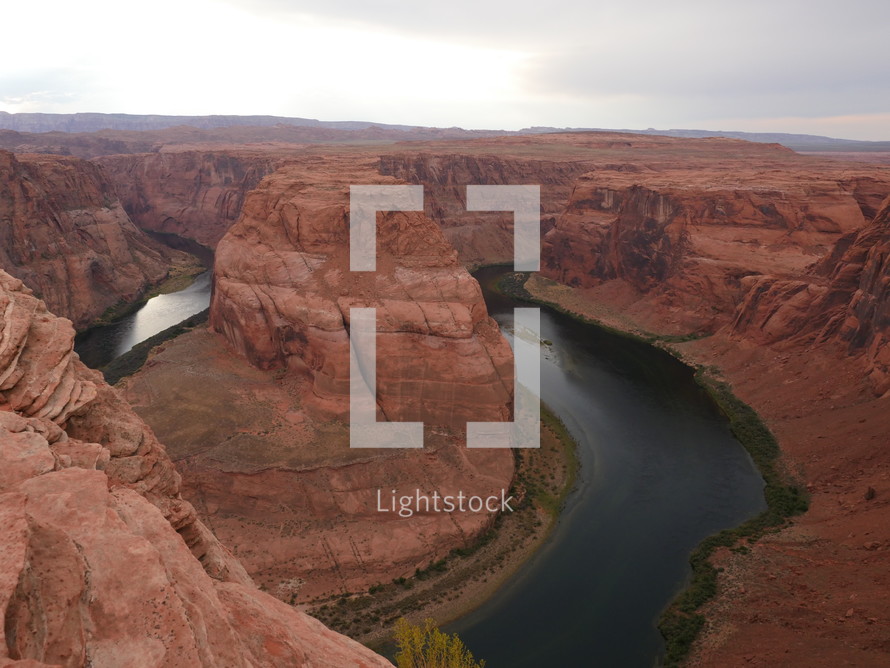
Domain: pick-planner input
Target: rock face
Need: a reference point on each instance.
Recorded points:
(283, 293)
(102, 562)
(65, 234)
(194, 194)
(280, 485)
(482, 238)
(867, 322)
(845, 298)
(697, 239)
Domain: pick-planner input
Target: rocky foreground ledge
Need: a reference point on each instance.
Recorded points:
(102, 563)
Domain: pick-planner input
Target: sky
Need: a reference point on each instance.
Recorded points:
(810, 67)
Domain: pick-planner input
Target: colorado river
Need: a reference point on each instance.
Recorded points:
(99, 345)
(660, 471)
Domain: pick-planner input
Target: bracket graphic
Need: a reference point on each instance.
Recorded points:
(525, 429)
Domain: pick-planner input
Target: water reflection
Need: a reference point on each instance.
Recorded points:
(98, 346)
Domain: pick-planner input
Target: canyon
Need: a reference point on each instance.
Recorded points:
(193, 194)
(769, 267)
(747, 248)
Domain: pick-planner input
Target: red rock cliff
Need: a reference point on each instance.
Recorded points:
(283, 291)
(102, 562)
(194, 194)
(482, 238)
(845, 298)
(694, 237)
(64, 233)
(303, 504)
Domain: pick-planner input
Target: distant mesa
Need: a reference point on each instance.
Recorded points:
(96, 122)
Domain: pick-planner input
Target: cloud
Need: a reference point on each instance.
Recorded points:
(765, 61)
(43, 90)
(470, 63)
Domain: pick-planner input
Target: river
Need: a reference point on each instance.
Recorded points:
(660, 471)
(99, 345)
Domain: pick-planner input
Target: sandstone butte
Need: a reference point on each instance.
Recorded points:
(302, 507)
(777, 260)
(102, 562)
(64, 232)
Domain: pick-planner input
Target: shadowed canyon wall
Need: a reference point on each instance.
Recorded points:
(482, 238)
(194, 194)
(64, 233)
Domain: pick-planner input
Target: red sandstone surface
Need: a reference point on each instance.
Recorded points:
(102, 562)
(283, 293)
(287, 489)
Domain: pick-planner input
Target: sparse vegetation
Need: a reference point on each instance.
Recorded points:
(512, 284)
(453, 584)
(425, 646)
(681, 623)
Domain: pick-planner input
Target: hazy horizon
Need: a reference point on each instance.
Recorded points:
(801, 67)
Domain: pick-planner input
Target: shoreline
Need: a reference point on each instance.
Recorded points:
(467, 578)
(133, 360)
(682, 622)
(183, 271)
(464, 580)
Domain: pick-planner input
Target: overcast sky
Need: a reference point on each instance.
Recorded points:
(786, 66)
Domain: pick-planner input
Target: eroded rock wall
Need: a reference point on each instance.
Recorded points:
(283, 292)
(102, 562)
(193, 194)
(482, 238)
(66, 235)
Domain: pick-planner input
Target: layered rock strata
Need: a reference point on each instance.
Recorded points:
(283, 293)
(64, 233)
(102, 562)
(275, 473)
(692, 241)
(845, 298)
(193, 194)
(483, 238)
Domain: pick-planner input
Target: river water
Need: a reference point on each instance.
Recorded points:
(660, 471)
(99, 345)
